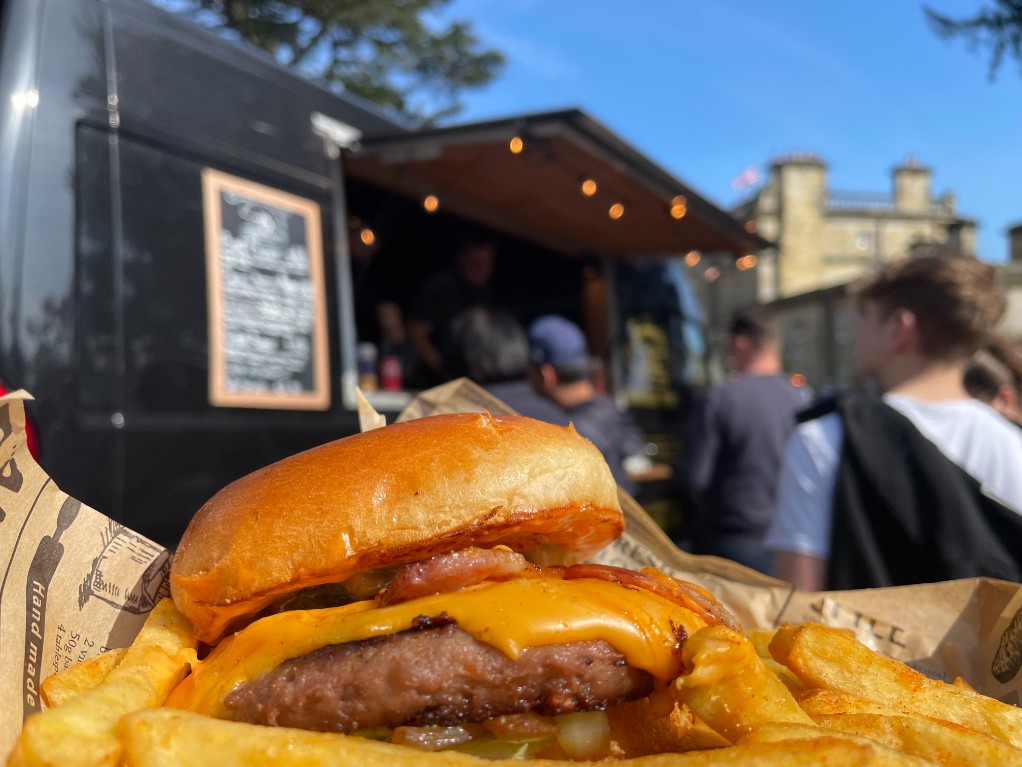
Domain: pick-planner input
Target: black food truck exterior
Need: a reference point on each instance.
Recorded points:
(177, 215)
(140, 157)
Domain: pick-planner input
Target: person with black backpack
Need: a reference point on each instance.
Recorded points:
(920, 484)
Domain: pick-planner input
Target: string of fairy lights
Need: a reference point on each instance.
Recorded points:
(677, 208)
(589, 187)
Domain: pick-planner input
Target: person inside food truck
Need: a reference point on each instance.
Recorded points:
(467, 283)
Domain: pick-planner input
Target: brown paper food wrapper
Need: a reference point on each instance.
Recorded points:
(75, 583)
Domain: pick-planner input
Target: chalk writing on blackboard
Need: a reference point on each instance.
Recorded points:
(266, 296)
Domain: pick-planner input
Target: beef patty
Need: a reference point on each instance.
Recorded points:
(434, 676)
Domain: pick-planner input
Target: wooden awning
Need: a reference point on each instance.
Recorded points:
(536, 193)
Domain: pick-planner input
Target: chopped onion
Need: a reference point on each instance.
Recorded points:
(432, 737)
(584, 735)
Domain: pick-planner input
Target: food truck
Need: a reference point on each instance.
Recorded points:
(185, 228)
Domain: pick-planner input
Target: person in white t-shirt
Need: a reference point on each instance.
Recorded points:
(922, 320)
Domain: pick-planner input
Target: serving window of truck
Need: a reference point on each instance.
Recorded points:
(563, 198)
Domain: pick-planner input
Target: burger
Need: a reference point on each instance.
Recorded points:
(425, 583)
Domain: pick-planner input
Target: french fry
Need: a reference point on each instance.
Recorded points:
(81, 677)
(760, 639)
(701, 736)
(649, 725)
(786, 675)
(819, 702)
(81, 733)
(959, 682)
(730, 688)
(947, 744)
(795, 734)
(834, 659)
(171, 738)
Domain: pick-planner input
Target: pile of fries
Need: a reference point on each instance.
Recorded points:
(795, 696)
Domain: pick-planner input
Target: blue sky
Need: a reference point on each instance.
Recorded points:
(707, 89)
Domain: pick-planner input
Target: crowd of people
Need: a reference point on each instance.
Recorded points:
(541, 367)
(913, 476)
(544, 371)
(920, 483)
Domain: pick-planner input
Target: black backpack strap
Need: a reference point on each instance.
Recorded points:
(820, 408)
(905, 513)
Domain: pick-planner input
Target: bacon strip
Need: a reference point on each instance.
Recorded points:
(682, 593)
(455, 570)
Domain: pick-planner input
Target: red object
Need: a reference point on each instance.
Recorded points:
(747, 177)
(390, 373)
(31, 432)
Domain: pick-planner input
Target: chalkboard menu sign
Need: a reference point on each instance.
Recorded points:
(266, 296)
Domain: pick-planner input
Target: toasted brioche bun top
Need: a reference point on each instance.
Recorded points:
(390, 496)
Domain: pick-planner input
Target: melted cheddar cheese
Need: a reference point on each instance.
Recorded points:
(508, 615)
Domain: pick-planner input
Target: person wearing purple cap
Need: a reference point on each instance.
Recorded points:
(559, 368)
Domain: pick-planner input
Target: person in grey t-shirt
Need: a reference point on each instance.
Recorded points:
(734, 443)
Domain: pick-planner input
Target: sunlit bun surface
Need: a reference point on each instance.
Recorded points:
(387, 497)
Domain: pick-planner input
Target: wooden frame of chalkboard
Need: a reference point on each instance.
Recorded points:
(266, 296)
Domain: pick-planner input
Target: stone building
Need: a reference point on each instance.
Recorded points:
(1012, 273)
(820, 326)
(826, 240)
(826, 237)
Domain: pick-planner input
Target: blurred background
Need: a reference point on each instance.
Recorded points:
(216, 218)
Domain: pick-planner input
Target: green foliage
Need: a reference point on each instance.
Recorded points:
(998, 27)
(394, 53)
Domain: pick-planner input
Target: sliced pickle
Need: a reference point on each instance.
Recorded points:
(494, 748)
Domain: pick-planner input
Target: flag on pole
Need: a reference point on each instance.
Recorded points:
(747, 177)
